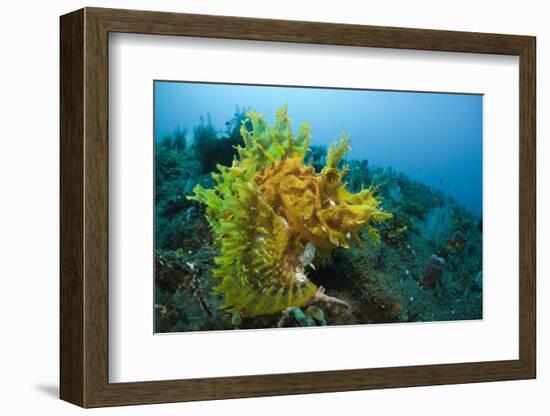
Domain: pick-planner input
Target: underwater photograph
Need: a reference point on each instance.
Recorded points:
(287, 206)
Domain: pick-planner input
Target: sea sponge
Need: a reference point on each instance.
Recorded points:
(271, 215)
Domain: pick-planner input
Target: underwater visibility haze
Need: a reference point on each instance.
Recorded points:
(298, 207)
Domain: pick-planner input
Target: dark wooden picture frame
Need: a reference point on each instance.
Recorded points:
(84, 207)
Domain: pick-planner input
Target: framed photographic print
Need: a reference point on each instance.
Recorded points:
(255, 207)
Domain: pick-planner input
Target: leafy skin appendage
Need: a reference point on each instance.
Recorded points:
(268, 210)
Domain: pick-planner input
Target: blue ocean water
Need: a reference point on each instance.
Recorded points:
(434, 138)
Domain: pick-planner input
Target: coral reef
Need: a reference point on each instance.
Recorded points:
(209, 149)
(271, 215)
(381, 282)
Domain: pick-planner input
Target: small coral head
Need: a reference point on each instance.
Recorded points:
(269, 208)
(433, 271)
